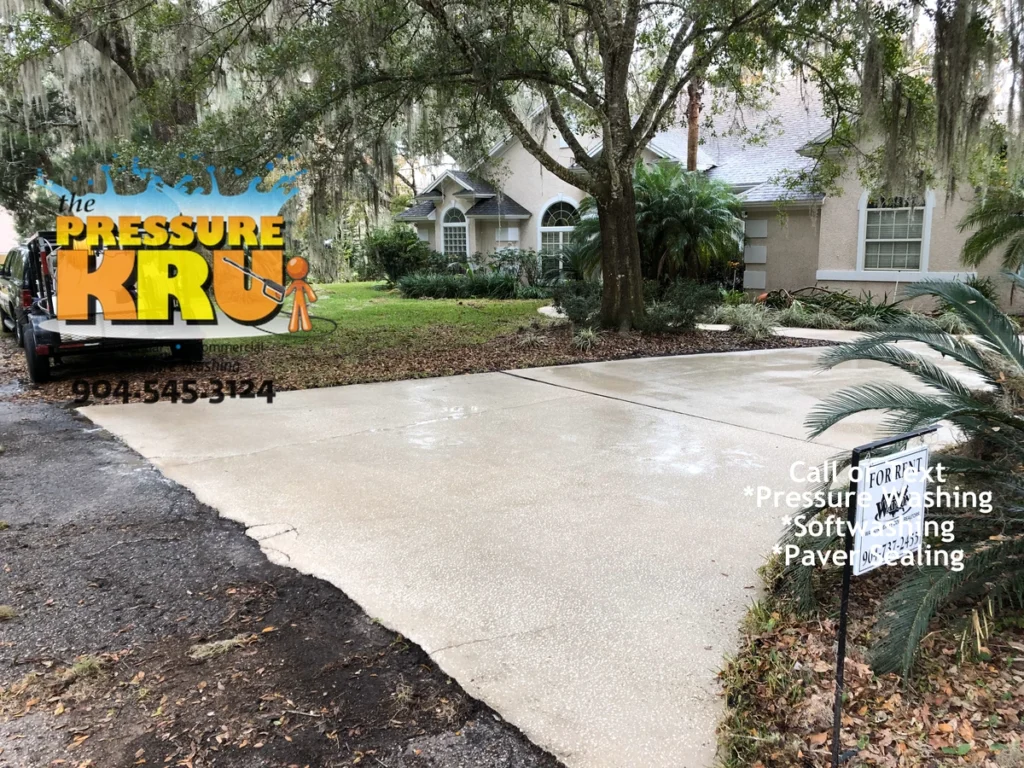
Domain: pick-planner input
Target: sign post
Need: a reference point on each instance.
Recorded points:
(889, 524)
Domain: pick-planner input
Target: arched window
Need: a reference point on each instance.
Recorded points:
(456, 239)
(556, 226)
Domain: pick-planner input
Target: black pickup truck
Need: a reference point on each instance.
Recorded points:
(26, 300)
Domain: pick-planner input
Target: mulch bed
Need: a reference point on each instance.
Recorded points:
(958, 707)
(296, 366)
(139, 628)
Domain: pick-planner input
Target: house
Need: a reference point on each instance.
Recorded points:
(794, 238)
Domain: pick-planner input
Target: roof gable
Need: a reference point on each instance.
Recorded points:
(469, 184)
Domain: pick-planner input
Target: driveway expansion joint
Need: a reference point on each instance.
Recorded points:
(670, 410)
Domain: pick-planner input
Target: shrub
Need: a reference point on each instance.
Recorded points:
(865, 323)
(579, 300)
(950, 321)
(982, 285)
(441, 264)
(799, 315)
(585, 339)
(734, 298)
(397, 252)
(479, 285)
(653, 291)
(521, 263)
(755, 321)
(579, 261)
(533, 292)
(840, 304)
(681, 304)
(658, 318)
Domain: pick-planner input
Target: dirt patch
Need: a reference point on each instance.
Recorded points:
(302, 366)
(117, 576)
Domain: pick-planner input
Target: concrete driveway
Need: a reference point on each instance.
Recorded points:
(572, 544)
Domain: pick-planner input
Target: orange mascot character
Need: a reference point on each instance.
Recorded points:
(297, 269)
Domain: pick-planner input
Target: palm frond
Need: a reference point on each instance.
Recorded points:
(924, 370)
(998, 218)
(992, 326)
(908, 611)
(882, 396)
(925, 332)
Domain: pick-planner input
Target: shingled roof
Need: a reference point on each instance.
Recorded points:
(504, 207)
(753, 150)
(475, 185)
(472, 184)
(792, 119)
(417, 212)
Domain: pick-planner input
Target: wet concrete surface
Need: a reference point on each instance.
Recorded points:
(575, 545)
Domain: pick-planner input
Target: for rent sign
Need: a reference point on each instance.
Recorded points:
(890, 508)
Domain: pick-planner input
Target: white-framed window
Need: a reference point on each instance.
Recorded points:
(456, 234)
(894, 234)
(556, 227)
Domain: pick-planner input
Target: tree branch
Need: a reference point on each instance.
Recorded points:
(496, 98)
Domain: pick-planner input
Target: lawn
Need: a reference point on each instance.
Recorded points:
(357, 318)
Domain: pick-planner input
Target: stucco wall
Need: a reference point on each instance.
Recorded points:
(840, 231)
(449, 188)
(520, 176)
(840, 227)
(789, 249)
(431, 234)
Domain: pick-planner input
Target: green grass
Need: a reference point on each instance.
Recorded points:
(370, 317)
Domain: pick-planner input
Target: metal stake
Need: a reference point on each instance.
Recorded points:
(844, 602)
(844, 607)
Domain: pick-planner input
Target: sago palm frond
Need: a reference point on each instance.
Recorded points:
(993, 328)
(989, 458)
(998, 218)
(924, 370)
(908, 611)
(926, 331)
(880, 396)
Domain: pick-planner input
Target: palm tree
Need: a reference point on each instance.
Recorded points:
(991, 455)
(999, 219)
(685, 222)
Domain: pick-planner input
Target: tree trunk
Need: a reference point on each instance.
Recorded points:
(622, 300)
(693, 90)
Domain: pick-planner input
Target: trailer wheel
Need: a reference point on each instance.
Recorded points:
(38, 365)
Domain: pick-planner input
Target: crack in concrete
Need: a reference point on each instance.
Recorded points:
(289, 529)
(492, 639)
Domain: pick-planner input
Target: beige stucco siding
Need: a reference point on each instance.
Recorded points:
(449, 189)
(789, 250)
(840, 235)
(426, 231)
(525, 180)
(485, 236)
(840, 228)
